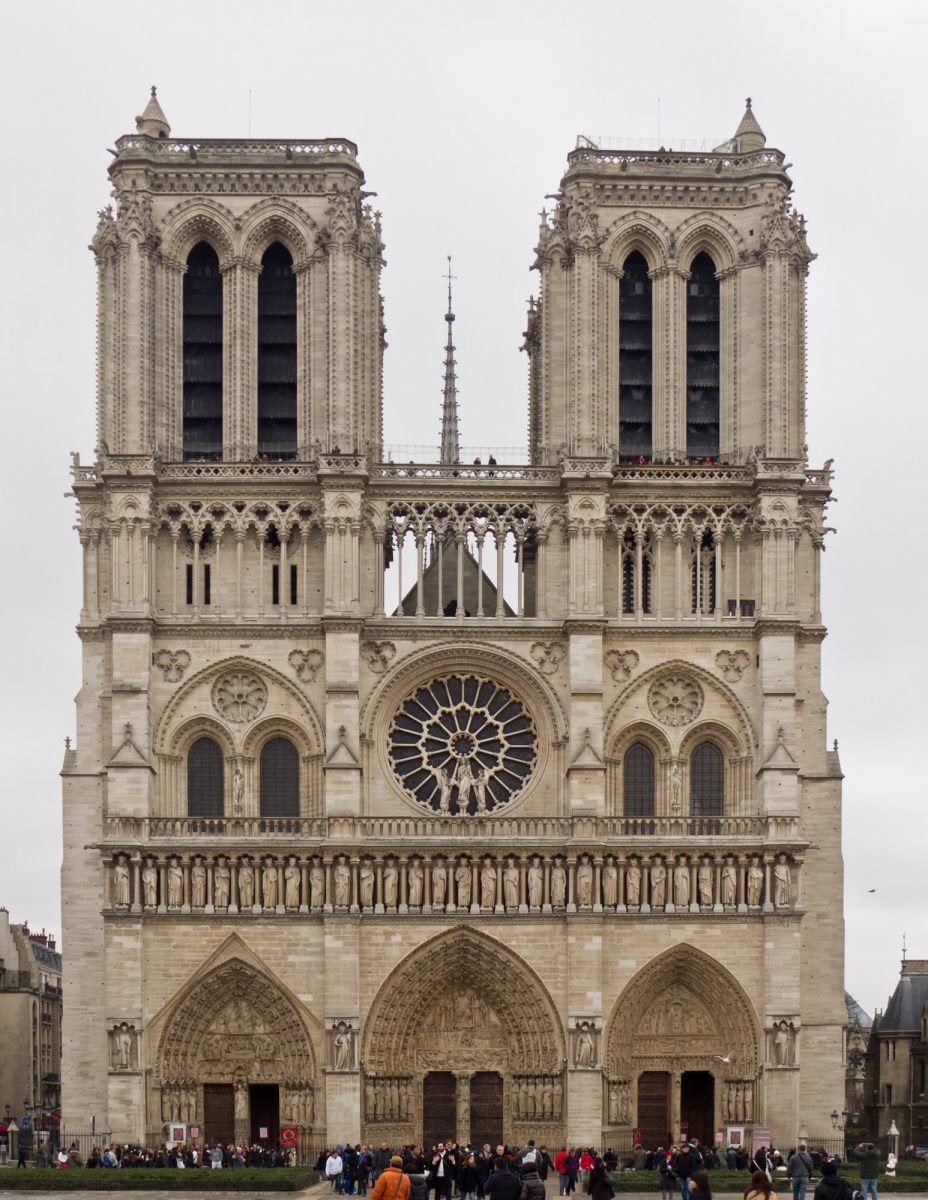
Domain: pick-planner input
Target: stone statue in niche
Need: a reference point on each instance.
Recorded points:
(342, 876)
(269, 883)
(464, 778)
(121, 882)
(584, 1045)
(558, 884)
(366, 883)
(445, 784)
(535, 882)
(238, 792)
(782, 882)
(462, 877)
(150, 883)
(439, 883)
(488, 884)
(198, 884)
(390, 876)
(317, 884)
(481, 779)
(676, 790)
(681, 884)
(511, 884)
(175, 883)
(784, 1042)
(584, 883)
(414, 876)
(729, 882)
(222, 877)
(633, 883)
(749, 1101)
(704, 883)
(342, 1046)
(610, 882)
(123, 1047)
(246, 883)
(755, 882)
(658, 884)
(292, 883)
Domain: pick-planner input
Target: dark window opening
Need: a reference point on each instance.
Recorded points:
(277, 355)
(204, 779)
(280, 779)
(702, 360)
(275, 584)
(189, 574)
(707, 781)
(292, 584)
(635, 361)
(638, 781)
(206, 584)
(746, 607)
(702, 576)
(202, 355)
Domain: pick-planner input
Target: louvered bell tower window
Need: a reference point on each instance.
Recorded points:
(280, 779)
(638, 782)
(202, 355)
(635, 361)
(277, 355)
(702, 360)
(204, 779)
(707, 781)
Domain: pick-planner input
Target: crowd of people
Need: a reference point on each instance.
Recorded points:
(187, 1156)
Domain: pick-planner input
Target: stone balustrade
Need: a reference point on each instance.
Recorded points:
(424, 883)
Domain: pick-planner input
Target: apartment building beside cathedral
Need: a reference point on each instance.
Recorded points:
(450, 799)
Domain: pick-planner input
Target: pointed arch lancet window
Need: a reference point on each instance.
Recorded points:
(277, 354)
(702, 360)
(280, 779)
(707, 781)
(202, 354)
(635, 360)
(204, 779)
(638, 781)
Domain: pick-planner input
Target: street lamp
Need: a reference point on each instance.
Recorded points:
(840, 1119)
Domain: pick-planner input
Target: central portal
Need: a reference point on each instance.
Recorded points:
(439, 1108)
(486, 1108)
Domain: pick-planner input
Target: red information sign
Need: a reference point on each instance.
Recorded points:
(194, 1131)
(760, 1136)
(288, 1135)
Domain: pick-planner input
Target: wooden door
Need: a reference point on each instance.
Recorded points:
(486, 1108)
(439, 1109)
(218, 1112)
(654, 1108)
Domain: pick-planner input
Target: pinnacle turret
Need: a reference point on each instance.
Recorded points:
(749, 134)
(450, 441)
(153, 122)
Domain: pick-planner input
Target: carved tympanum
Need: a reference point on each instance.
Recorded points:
(462, 745)
(675, 699)
(239, 696)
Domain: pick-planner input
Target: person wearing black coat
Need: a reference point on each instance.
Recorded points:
(502, 1184)
(533, 1187)
(831, 1186)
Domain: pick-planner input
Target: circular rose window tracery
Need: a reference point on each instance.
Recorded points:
(675, 699)
(462, 745)
(239, 696)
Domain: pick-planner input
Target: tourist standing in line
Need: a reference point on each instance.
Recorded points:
(533, 1187)
(799, 1170)
(333, 1170)
(392, 1184)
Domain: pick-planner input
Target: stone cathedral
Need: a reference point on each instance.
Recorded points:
(424, 799)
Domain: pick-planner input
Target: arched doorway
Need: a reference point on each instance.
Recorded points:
(667, 1037)
(476, 1052)
(235, 1057)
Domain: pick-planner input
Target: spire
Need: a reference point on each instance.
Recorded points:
(450, 443)
(749, 134)
(153, 122)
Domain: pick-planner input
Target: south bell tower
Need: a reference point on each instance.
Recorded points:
(346, 720)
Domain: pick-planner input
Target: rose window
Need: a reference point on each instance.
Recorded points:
(462, 745)
(239, 696)
(675, 699)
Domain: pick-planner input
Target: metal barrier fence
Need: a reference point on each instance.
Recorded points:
(83, 1139)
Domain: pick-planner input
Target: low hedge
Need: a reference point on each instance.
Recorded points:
(724, 1182)
(159, 1179)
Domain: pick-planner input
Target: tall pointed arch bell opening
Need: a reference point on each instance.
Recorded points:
(277, 355)
(703, 370)
(635, 361)
(202, 354)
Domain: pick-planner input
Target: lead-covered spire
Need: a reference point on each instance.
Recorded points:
(450, 440)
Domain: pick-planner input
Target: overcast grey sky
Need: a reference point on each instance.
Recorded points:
(463, 115)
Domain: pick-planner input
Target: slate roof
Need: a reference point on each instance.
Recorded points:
(904, 1010)
(855, 1014)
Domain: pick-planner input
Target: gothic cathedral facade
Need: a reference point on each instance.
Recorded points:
(475, 800)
